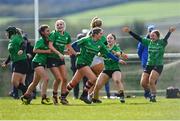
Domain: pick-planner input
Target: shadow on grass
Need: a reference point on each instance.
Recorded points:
(140, 103)
(80, 105)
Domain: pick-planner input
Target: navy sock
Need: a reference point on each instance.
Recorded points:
(55, 94)
(85, 93)
(22, 87)
(15, 91)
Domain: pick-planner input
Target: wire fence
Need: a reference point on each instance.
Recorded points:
(131, 75)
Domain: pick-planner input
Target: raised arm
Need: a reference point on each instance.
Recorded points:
(171, 29)
(127, 30)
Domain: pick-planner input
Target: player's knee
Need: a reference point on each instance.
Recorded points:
(46, 79)
(58, 80)
(64, 80)
(94, 79)
(152, 81)
(143, 84)
(117, 81)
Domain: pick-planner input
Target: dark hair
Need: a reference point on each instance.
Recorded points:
(114, 36)
(11, 30)
(156, 32)
(42, 28)
(95, 30)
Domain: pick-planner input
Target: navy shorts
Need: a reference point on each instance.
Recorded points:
(79, 66)
(20, 66)
(110, 72)
(53, 62)
(157, 68)
(36, 64)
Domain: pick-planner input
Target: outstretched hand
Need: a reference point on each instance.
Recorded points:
(172, 29)
(126, 29)
(125, 56)
(122, 62)
(3, 65)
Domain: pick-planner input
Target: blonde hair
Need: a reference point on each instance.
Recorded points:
(60, 21)
(96, 22)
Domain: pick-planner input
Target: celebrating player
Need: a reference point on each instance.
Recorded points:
(156, 48)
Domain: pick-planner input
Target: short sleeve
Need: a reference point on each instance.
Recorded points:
(145, 41)
(81, 41)
(52, 36)
(38, 44)
(104, 50)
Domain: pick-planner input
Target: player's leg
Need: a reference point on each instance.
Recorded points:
(26, 98)
(87, 72)
(107, 89)
(56, 83)
(152, 80)
(74, 81)
(63, 72)
(117, 78)
(145, 83)
(101, 80)
(17, 81)
(44, 76)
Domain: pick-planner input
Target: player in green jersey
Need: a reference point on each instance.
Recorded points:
(59, 39)
(89, 47)
(111, 70)
(18, 58)
(39, 62)
(156, 48)
(97, 64)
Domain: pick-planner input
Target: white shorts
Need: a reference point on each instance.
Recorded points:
(97, 60)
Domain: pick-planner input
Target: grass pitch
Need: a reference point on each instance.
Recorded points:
(127, 13)
(111, 109)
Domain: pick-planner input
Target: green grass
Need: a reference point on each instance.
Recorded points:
(125, 13)
(6, 20)
(110, 109)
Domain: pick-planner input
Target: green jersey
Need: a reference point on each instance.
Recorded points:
(88, 49)
(59, 42)
(14, 46)
(110, 64)
(103, 39)
(156, 51)
(41, 57)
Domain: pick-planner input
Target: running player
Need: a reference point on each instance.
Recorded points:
(98, 64)
(59, 39)
(73, 64)
(156, 48)
(39, 62)
(18, 58)
(111, 70)
(89, 47)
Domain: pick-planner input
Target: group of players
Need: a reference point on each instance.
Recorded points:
(98, 60)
